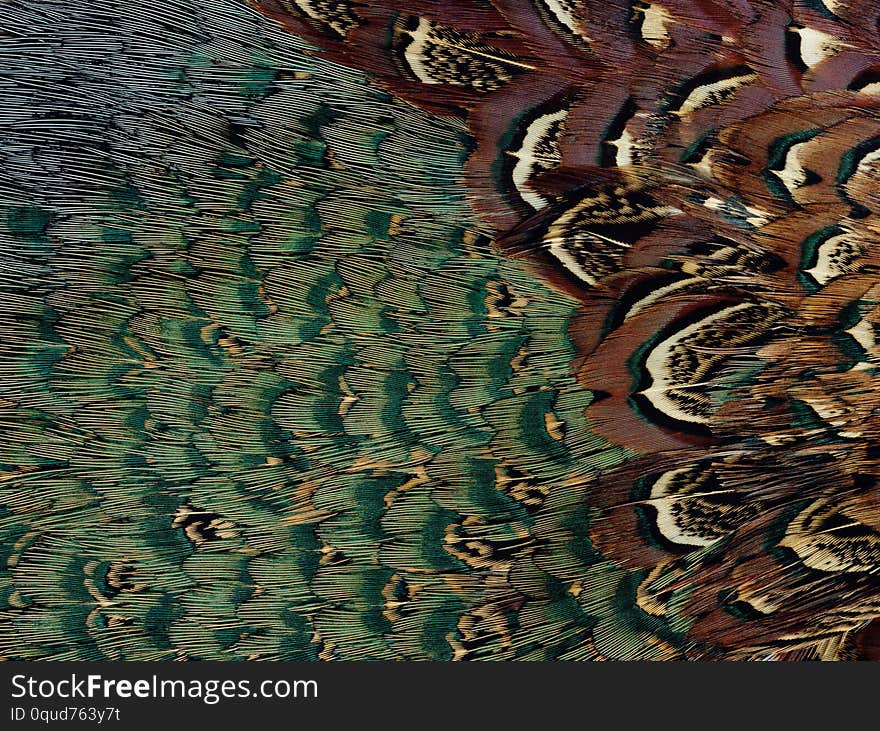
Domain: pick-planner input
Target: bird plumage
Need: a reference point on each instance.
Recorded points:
(552, 336)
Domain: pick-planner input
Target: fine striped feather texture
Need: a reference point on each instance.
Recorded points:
(470, 330)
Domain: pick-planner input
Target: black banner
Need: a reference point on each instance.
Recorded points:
(462, 695)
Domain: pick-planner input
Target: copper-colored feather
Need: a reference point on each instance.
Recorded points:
(702, 177)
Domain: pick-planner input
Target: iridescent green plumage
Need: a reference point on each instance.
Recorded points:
(268, 393)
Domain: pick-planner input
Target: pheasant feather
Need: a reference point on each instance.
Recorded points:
(507, 330)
